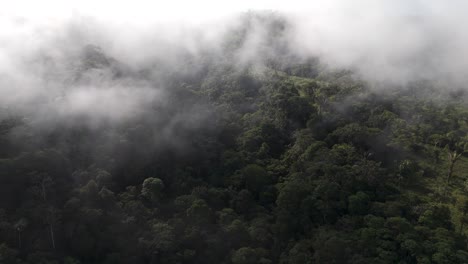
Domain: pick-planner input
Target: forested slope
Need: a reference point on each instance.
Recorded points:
(290, 161)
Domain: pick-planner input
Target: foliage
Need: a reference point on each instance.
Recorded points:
(291, 162)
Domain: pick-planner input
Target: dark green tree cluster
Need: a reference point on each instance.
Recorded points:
(286, 163)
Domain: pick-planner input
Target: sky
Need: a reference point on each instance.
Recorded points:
(144, 11)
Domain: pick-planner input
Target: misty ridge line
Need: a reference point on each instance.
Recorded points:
(85, 68)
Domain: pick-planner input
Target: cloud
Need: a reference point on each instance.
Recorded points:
(389, 42)
(44, 69)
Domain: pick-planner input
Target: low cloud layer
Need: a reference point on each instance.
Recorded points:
(58, 60)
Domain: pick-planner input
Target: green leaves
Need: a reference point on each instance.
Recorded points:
(358, 203)
(152, 189)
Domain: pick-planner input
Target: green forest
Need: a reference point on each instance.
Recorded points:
(279, 160)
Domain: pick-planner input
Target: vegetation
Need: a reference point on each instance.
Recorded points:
(291, 163)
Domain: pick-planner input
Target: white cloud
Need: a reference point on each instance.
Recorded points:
(396, 41)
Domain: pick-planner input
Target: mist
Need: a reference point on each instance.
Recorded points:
(60, 59)
(269, 131)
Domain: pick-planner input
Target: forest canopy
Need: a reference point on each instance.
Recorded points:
(229, 157)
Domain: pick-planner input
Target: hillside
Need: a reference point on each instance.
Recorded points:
(298, 163)
(265, 138)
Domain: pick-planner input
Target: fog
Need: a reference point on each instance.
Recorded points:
(60, 59)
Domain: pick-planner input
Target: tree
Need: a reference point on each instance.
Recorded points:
(247, 255)
(256, 178)
(358, 203)
(300, 253)
(457, 146)
(51, 216)
(200, 212)
(20, 226)
(462, 206)
(8, 255)
(152, 189)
